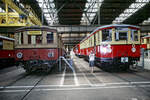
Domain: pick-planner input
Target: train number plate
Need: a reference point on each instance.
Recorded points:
(124, 59)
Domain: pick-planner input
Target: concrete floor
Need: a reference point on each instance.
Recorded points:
(15, 84)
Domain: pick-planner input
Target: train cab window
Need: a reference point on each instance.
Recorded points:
(107, 35)
(134, 35)
(38, 39)
(121, 34)
(1, 44)
(20, 38)
(29, 39)
(50, 37)
(33, 39)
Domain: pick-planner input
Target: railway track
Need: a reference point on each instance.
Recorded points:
(30, 90)
(23, 76)
(13, 82)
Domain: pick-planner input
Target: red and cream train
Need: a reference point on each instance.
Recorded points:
(6, 51)
(145, 42)
(37, 47)
(114, 45)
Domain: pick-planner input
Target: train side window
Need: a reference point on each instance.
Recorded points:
(50, 37)
(107, 35)
(121, 34)
(142, 40)
(1, 44)
(38, 39)
(134, 35)
(148, 40)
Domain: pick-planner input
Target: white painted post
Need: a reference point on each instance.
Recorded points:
(59, 64)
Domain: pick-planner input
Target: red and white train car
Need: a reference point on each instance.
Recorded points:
(37, 47)
(76, 50)
(114, 45)
(6, 51)
(145, 42)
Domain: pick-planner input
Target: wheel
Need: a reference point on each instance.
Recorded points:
(126, 67)
(28, 71)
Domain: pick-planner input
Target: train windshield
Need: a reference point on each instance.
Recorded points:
(134, 35)
(38, 39)
(50, 37)
(121, 34)
(107, 35)
(20, 38)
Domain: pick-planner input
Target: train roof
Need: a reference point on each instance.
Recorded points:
(6, 38)
(33, 28)
(111, 25)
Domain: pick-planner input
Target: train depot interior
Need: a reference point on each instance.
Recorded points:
(74, 49)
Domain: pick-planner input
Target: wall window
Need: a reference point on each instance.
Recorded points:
(50, 37)
(121, 34)
(107, 35)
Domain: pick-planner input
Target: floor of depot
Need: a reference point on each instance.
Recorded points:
(15, 84)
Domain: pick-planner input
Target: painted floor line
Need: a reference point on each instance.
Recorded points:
(79, 88)
(63, 78)
(85, 76)
(101, 84)
(93, 74)
(75, 79)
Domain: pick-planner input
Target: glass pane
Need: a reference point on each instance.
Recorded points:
(20, 38)
(1, 44)
(121, 34)
(38, 39)
(134, 35)
(148, 40)
(33, 38)
(50, 37)
(107, 35)
(29, 39)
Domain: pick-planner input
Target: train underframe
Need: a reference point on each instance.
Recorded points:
(5, 62)
(37, 65)
(117, 63)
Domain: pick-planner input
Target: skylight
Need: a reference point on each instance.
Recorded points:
(49, 11)
(1, 10)
(131, 10)
(91, 8)
(146, 21)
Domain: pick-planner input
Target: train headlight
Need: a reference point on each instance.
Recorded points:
(103, 50)
(106, 49)
(19, 55)
(133, 49)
